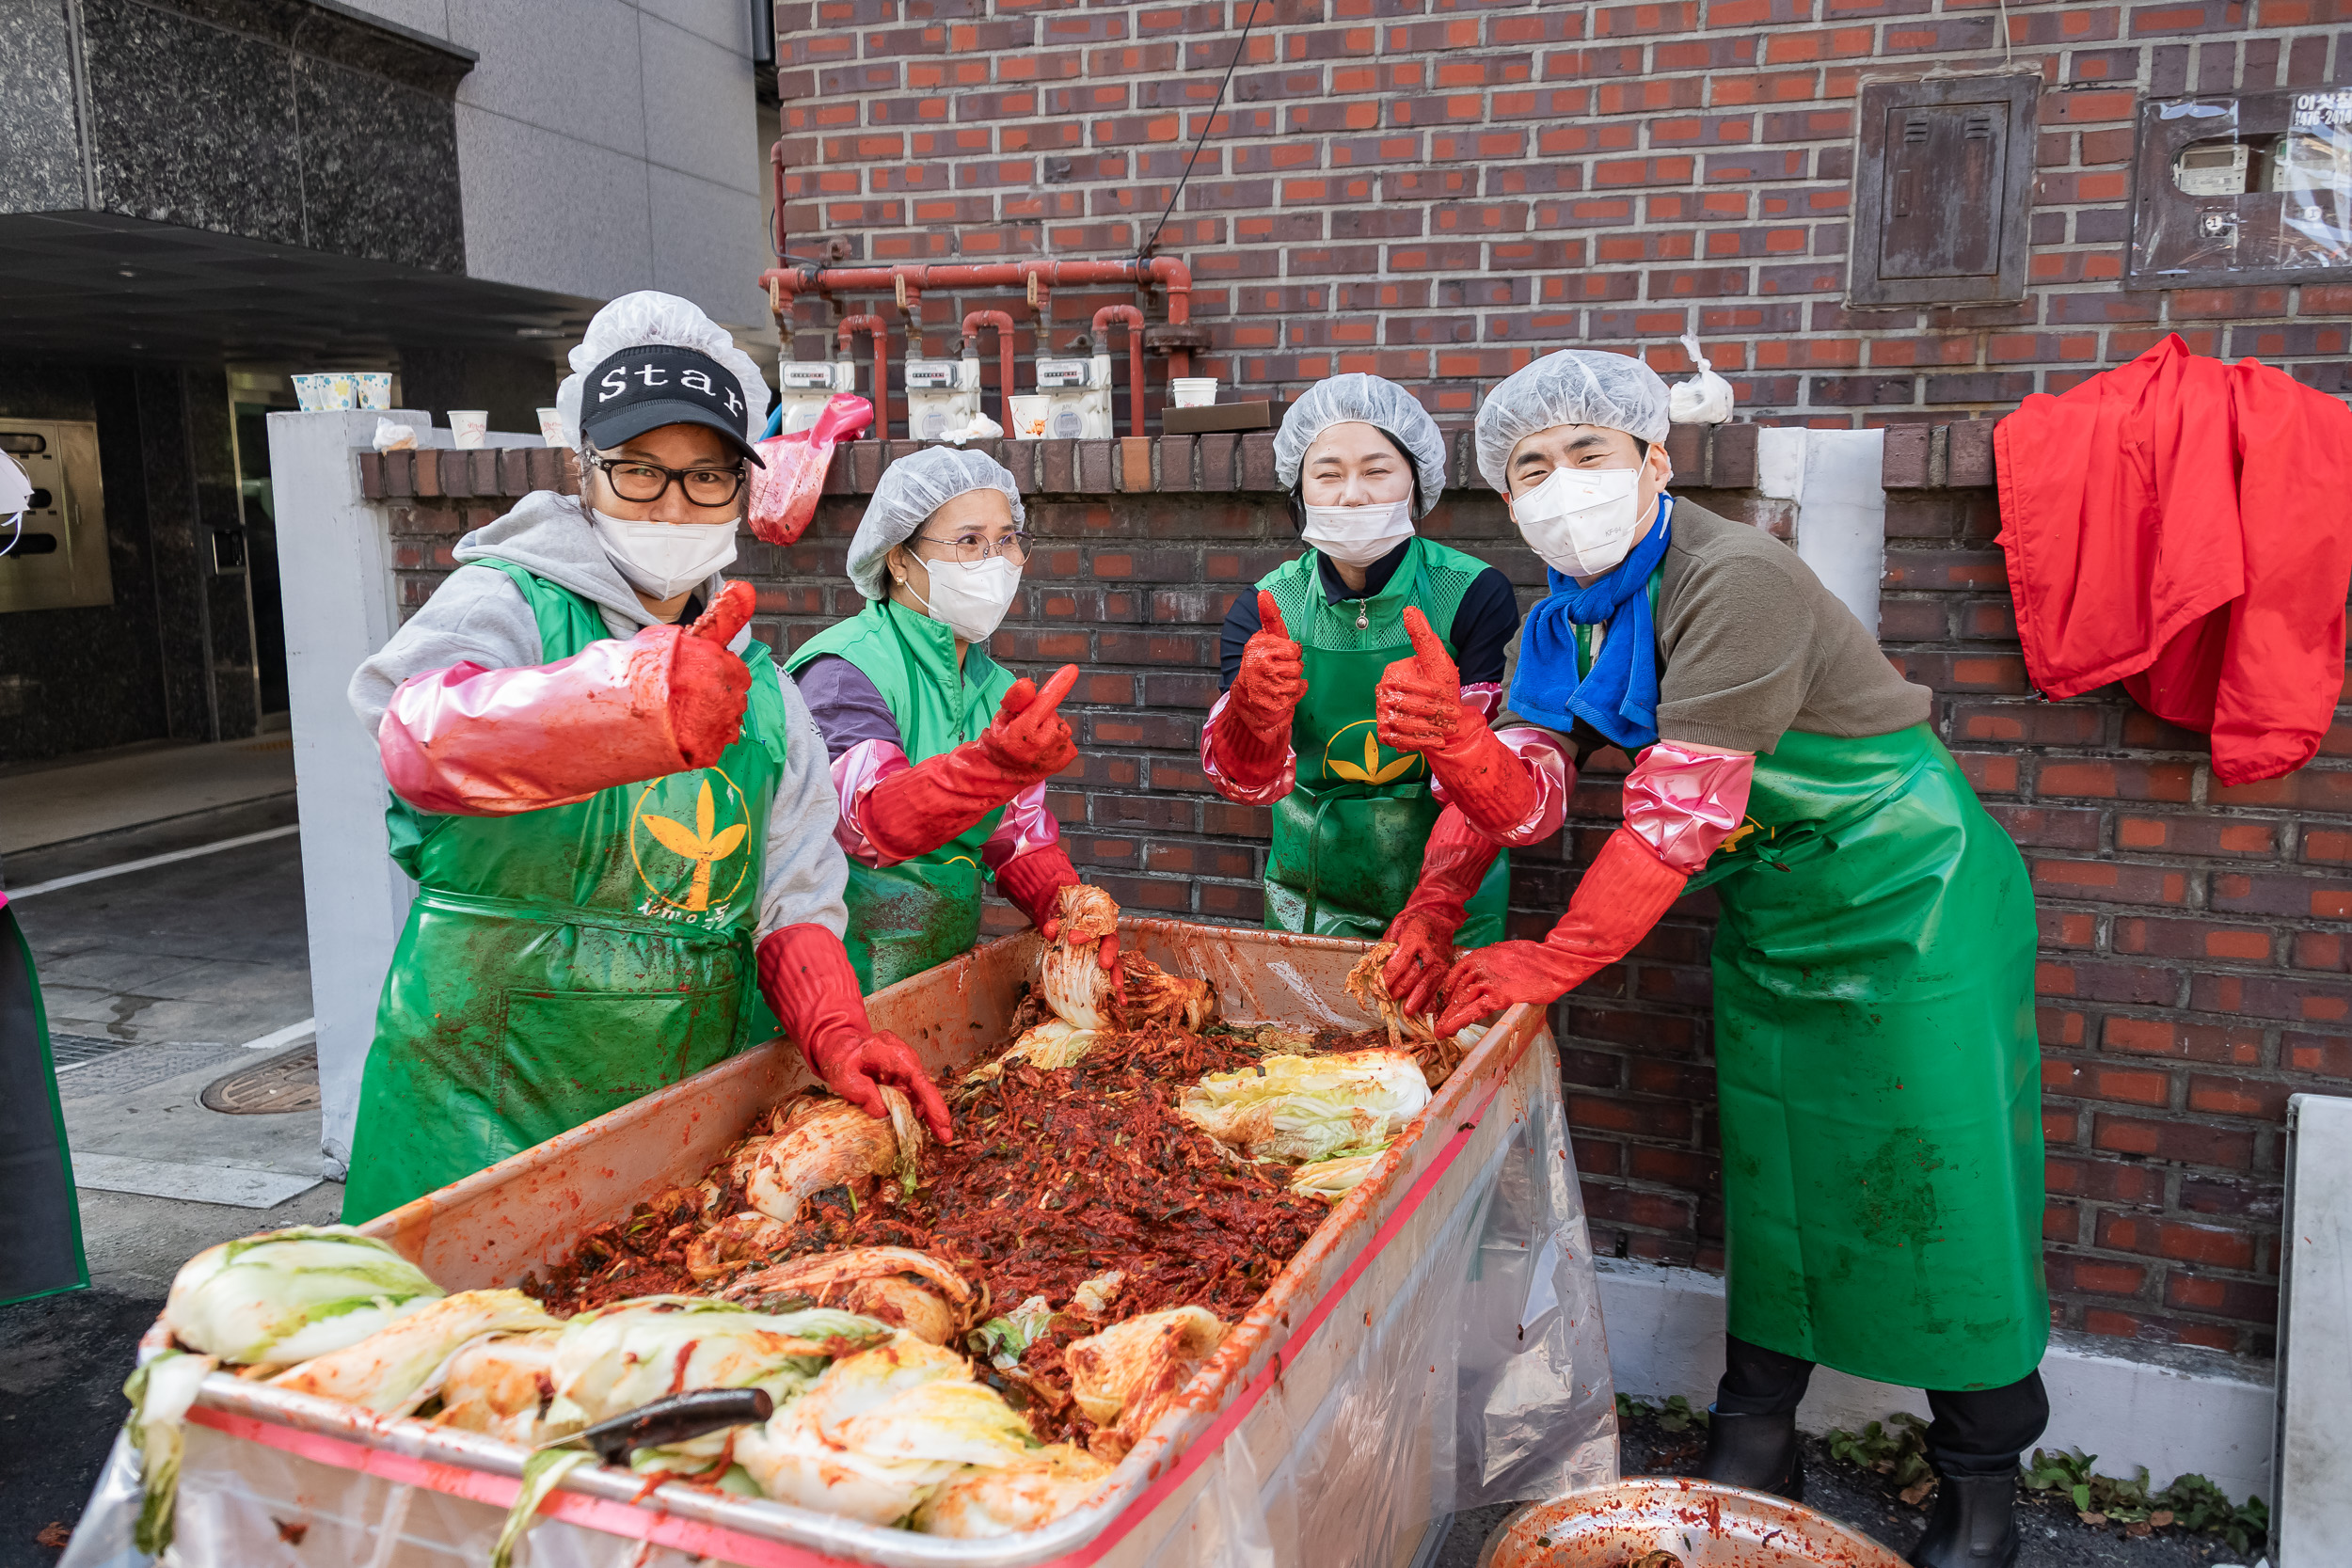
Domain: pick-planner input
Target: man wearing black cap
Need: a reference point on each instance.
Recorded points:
(621, 822)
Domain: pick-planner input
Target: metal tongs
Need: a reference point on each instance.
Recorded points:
(674, 1419)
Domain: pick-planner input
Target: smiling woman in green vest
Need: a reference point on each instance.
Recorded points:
(617, 816)
(1295, 729)
(940, 756)
(1875, 1062)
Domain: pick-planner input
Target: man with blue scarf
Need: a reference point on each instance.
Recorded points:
(1876, 1059)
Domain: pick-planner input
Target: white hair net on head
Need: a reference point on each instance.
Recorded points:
(646, 317)
(911, 490)
(1575, 386)
(1360, 399)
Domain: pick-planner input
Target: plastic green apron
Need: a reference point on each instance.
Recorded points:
(41, 1228)
(915, 914)
(1877, 1068)
(1348, 840)
(558, 964)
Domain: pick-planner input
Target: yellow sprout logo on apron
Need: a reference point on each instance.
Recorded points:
(703, 846)
(1372, 772)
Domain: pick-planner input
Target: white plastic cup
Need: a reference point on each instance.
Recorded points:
(323, 391)
(1193, 391)
(552, 427)
(1028, 417)
(468, 427)
(372, 389)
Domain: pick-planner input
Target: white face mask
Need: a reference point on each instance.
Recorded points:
(664, 560)
(1359, 535)
(970, 598)
(1581, 521)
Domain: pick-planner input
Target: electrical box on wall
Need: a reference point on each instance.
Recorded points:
(1077, 397)
(1943, 184)
(803, 387)
(2243, 188)
(55, 557)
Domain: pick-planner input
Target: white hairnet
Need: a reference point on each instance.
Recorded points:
(1360, 399)
(910, 491)
(1575, 386)
(646, 317)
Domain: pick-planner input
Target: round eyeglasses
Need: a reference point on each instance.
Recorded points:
(972, 546)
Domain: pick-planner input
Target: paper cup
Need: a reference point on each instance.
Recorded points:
(1193, 391)
(372, 388)
(468, 427)
(1028, 417)
(322, 391)
(551, 427)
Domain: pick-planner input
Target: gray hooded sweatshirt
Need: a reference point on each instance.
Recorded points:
(479, 616)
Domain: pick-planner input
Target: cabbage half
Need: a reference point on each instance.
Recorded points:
(288, 1295)
(1026, 1494)
(1337, 1176)
(1301, 1109)
(1005, 1339)
(880, 1430)
(392, 1369)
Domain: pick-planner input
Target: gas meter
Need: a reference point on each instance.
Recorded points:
(1077, 397)
(804, 386)
(943, 398)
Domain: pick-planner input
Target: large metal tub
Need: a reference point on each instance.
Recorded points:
(1277, 1421)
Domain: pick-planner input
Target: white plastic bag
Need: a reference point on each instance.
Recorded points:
(1706, 398)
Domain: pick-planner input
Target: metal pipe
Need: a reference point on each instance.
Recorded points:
(850, 327)
(973, 321)
(1134, 318)
(775, 171)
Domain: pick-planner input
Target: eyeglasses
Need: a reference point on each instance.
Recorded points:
(971, 548)
(633, 480)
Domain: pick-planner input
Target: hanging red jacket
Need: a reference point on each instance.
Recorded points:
(2185, 526)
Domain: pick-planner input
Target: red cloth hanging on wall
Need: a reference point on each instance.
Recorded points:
(2184, 525)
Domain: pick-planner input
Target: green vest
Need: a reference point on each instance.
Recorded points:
(918, 913)
(1348, 840)
(559, 963)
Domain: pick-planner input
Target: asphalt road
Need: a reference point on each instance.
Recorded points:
(153, 981)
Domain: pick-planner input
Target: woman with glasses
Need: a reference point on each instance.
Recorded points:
(940, 756)
(619, 819)
(1312, 663)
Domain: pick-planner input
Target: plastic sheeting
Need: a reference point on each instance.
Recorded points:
(785, 491)
(1456, 1359)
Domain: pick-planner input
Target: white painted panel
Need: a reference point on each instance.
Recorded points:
(2312, 1521)
(335, 562)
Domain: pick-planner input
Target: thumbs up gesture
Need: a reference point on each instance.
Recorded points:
(1273, 673)
(1418, 703)
(1029, 736)
(708, 685)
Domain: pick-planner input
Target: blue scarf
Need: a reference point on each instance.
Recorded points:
(1619, 697)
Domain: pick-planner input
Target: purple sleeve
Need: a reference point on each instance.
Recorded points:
(848, 708)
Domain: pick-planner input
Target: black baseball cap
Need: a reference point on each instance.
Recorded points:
(652, 384)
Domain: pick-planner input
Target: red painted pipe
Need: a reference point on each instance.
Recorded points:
(1165, 271)
(973, 321)
(775, 170)
(1134, 318)
(848, 328)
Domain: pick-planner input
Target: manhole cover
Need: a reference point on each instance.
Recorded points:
(287, 1082)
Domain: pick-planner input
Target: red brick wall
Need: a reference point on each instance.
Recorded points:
(1435, 190)
(2196, 940)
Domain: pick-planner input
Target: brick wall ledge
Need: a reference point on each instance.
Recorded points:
(1706, 457)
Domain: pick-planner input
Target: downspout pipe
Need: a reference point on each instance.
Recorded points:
(849, 327)
(1101, 344)
(973, 321)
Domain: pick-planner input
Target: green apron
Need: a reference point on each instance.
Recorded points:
(918, 913)
(1877, 1068)
(559, 963)
(40, 1229)
(1348, 840)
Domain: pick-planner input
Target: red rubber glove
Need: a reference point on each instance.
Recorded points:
(1418, 706)
(805, 975)
(1253, 731)
(710, 686)
(1625, 893)
(915, 812)
(1456, 861)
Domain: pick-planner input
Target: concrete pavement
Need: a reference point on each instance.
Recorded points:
(154, 981)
